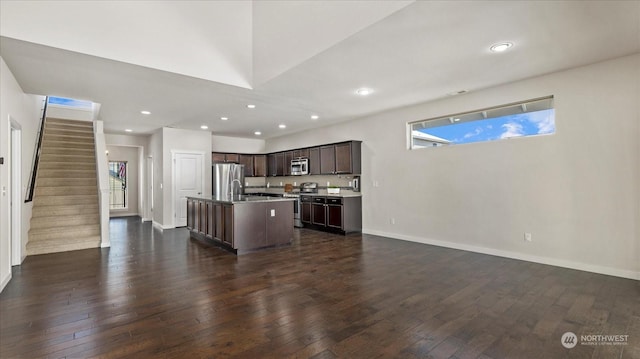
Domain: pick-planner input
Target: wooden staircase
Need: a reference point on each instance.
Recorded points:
(65, 214)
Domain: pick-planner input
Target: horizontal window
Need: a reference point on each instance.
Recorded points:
(70, 103)
(527, 118)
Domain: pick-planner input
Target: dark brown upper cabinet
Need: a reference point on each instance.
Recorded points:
(288, 157)
(217, 157)
(314, 161)
(341, 158)
(260, 166)
(337, 158)
(327, 160)
(247, 161)
(276, 164)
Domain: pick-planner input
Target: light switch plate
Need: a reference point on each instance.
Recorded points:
(273, 213)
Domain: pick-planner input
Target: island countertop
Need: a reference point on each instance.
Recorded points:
(241, 224)
(239, 199)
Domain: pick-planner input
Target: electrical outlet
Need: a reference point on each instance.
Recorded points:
(392, 220)
(527, 236)
(273, 213)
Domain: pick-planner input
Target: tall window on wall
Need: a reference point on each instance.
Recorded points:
(528, 118)
(117, 185)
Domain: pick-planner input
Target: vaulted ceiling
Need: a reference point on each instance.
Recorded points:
(192, 62)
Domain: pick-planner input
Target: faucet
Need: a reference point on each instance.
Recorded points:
(234, 181)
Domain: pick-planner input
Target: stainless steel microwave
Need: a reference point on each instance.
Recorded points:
(300, 166)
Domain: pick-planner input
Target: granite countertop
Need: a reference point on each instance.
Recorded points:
(325, 194)
(245, 198)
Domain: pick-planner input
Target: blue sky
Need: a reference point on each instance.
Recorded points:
(526, 124)
(61, 101)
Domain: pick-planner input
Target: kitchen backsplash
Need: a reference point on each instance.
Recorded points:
(342, 181)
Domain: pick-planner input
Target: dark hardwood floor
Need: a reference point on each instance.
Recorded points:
(162, 295)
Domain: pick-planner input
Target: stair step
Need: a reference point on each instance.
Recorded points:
(64, 221)
(45, 234)
(67, 151)
(63, 210)
(70, 165)
(66, 190)
(69, 173)
(76, 123)
(55, 182)
(67, 138)
(62, 245)
(65, 200)
(79, 158)
(66, 129)
(67, 144)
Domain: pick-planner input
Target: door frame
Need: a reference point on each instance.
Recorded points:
(15, 190)
(174, 191)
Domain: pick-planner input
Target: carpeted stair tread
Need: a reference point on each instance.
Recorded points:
(65, 221)
(62, 245)
(40, 234)
(66, 190)
(65, 200)
(64, 210)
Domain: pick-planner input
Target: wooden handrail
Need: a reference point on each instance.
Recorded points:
(36, 154)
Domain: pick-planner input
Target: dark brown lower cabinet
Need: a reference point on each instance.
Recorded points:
(210, 220)
(227, 227)
(241, 227)
(332, 214)
(318, 211)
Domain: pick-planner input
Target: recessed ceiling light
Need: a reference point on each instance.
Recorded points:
(251, 106)
(145, 112)
(224, 118)
(315, 117)
(363, 91)
(257, 133)
(282, 125)
(500, 47)
(128, 130)
(204, 127)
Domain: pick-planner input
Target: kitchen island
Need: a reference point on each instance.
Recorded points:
(241, 223)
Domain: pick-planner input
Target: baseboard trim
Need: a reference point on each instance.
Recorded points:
(616, 272)
(161, 227)
(5, 281)
(146, 220)
(116, 214)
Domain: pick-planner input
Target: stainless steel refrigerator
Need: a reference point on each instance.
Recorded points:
(228, 180)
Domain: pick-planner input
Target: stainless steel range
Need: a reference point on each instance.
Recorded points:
(306, 187)
(297, 207)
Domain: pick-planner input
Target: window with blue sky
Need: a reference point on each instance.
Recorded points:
(69, 102)
(528, 118)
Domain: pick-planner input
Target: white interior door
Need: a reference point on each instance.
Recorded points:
(189, 181)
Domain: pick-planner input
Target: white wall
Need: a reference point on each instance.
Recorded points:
(131, 156)
(23, 109)
(577, 192)
(236, 144)
(54, 111)
(175, 140)
(155, 151)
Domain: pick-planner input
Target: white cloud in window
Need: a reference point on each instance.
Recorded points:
(512, 129)
(474, 133)
(545, 124)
